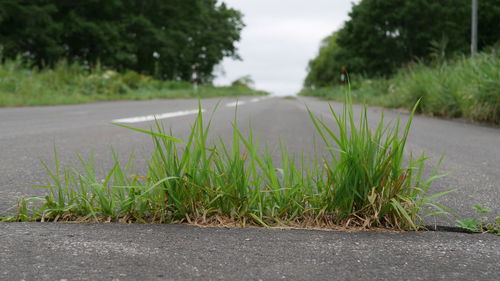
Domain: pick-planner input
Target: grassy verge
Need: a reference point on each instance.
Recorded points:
(482, 224)
(364, 181)
(72, 83)
(466, 88)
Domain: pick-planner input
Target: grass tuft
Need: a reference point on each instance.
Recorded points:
(364, 181)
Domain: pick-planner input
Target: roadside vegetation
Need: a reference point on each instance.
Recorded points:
(163, 39)
(462, 88)
(364, 181)
(482, 224)
(22, 84)
(422, 51)
(75, 52)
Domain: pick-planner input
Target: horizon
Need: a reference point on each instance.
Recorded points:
(275, 50)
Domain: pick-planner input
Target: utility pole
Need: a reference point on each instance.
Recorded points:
(194, 78)
(473, 46)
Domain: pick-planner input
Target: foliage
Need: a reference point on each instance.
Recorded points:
(467, 88)
(382, 36)
(160, 38)
(363, 182)
(482, 224)
(324, 69)
(464, 87)
(68, 83)
(245, 81)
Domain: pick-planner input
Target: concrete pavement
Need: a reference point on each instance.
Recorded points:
(162, 252)
(52, 251)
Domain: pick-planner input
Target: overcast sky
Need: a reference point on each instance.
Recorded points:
(280, 37)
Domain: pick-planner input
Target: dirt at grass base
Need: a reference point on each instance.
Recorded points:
(216, 221)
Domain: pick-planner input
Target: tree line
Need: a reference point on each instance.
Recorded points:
(382, 36)
(164, 38)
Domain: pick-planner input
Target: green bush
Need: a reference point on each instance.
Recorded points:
(464, 87)
(21, 84)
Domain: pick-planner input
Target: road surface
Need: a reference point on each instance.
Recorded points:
(36, 251)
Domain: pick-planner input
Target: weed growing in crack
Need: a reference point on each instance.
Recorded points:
(482, 224)
(365, 181)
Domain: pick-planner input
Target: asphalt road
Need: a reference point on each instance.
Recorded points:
(163, 252)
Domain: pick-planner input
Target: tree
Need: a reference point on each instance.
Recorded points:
(384, 35)
(28, 27)
(244, 81)
(162, 38)
(325, 69)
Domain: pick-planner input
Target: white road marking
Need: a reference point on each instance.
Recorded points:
(236, 103)
(157, 116)
(153, 117)
(262, 98)
(259, 99)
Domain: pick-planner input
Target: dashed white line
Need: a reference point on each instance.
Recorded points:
(236, 103)
(146, 118)
(157, 116)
